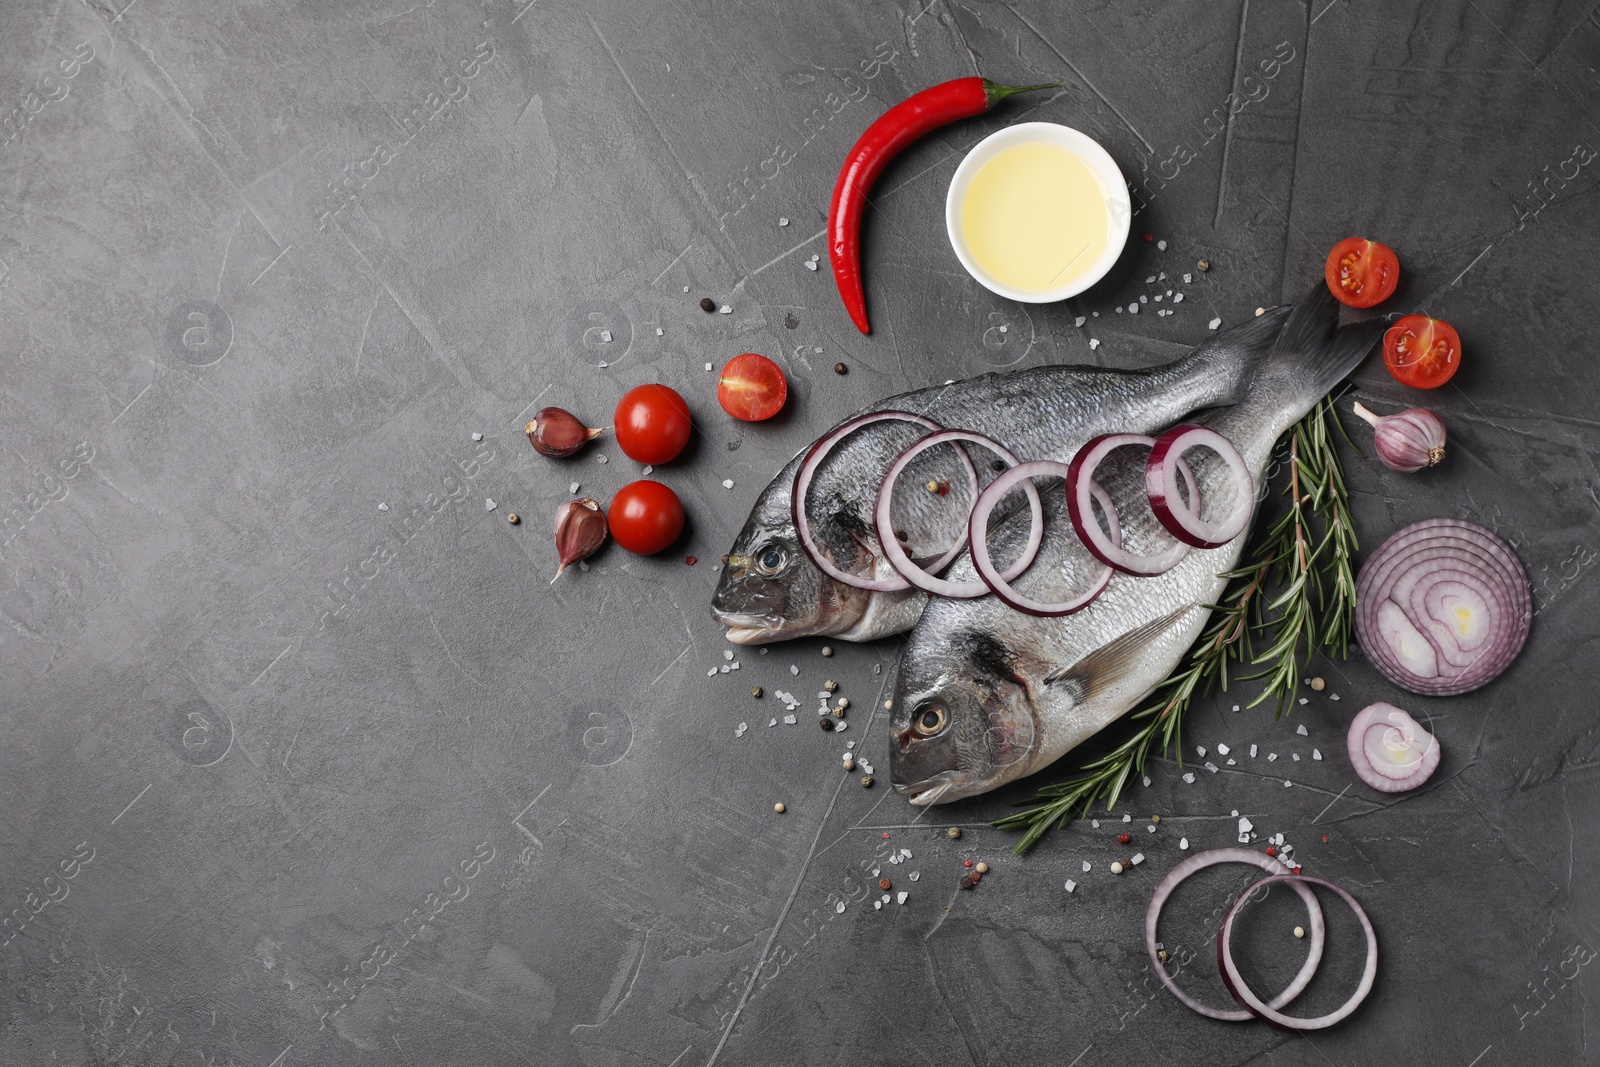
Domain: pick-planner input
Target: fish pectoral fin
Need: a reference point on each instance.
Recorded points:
(1094, 673)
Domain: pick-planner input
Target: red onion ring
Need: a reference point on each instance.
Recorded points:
(1199, 861)
(1080, 479)
(1442, 607)
(896, 555)
(1161, 483)
(1390, 750)
(802, 482)
(978, 541)
(1241, 992)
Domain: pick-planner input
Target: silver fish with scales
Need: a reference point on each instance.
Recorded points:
(771, 591)
(986, 694)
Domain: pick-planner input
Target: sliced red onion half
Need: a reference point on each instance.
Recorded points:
(1183, 520)
(1390, 750)
(1442, 607)
(896, 555)
(1198, 862)
(802, 483)
(978, 541)
(1241, 992)
(1080, 493)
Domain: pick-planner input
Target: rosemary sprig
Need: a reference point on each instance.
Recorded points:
(1306, 558)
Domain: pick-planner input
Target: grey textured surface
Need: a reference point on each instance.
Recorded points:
(290, 779)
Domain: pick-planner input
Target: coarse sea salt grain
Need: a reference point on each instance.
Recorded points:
(489, 504)
(877, 905)
(1316, 753)
(659, 331)
(1079, 321)
(1162, 245)
(1232, 762)
(1184, 843)
(1177, 298)
(900, 897)
(1214, 323)
(573, 488)
(724, 668)
(1223, 750)
(914, 875)
(1189, 777)
(839, 907)
(477, 436)
(1094, 343)
(708, 366)
(1151, 828)
(725, 310)
(771, 724)
(789, 720)
(1071, 885)
(783, 222)
(1288, 784)
(600, 459)
(841, 726)
(865, 766)
(1305, 700)
(1253, 751)
(1295, 756)
(1202, 750)
(1271, 756)
(383, 507)
(1147, 781)
(1138, 858)
(727, 483)
(1333, 696)
(1133, 308)
(727, 654)
(1086, 866)
(1094, 823)
(1212, 767)
(1127, 818)
(1302, 731)
(793, 669)
(1187, 278)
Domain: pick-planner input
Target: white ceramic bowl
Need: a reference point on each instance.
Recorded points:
(1119, 213)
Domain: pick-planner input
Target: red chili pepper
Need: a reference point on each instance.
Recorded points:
(886, 138)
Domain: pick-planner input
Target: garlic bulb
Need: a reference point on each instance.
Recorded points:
(1409, 441)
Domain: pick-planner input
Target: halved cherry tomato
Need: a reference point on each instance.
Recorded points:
(652, 423)
(1422, 352)
(1362, 273)
(645, 517)
(752, 388)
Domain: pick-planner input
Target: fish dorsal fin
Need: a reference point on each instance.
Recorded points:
(1094, 673)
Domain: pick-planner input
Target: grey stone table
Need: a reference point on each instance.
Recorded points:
(305, 761)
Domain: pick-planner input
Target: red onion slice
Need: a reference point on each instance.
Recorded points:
(1080, 483)
(1183, 520)
(1390, 750)
(802, 483)
(1442, 607)
(1198, 862)
(896, 555)
(1241, 992)
(978, 541)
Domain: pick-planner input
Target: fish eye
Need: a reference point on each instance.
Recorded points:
(930, 719)
(772, 560)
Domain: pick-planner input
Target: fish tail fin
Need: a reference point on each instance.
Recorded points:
(1239, 352)
(1313, 353)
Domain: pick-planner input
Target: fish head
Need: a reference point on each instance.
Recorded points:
(963, 721)
(769, 589)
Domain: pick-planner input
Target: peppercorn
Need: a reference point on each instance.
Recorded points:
(866, 782)
(690, 560)
(885, 885)
(838, 712)
(1271, 851)
(779, 808)
(888, 705)
(1203, 266)
(826, 723)
(513, 518)
(1123, 839)
(707, 304)
(982, 867)
(968, 881)
(1161, 954)
(840, 368)
(830, 685)
(1156, 819)
(1299, 931)
(1116, 867)
(755, 691)
(966, 863)
(1318, 685)
(933, 486)
(844, 702)
(849, 763)
(954, 833)
(827, 650)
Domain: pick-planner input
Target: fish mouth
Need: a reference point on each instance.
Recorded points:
(930, 790)
(749, 629)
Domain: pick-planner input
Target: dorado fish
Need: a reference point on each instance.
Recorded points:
(770, 590)
(986, 694)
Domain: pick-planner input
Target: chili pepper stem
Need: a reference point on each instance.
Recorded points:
(996, 93)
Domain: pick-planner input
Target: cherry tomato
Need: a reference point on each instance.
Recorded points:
(1422, 352)
(652, 423)
(1362, 273)
(752, 388)
(645, 517)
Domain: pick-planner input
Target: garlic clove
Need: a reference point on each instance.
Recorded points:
(1408, 441)
(580, 530)
(558, 432)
